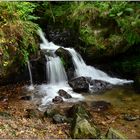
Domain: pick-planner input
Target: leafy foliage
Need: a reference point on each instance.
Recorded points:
(18, 36)
(98, 22)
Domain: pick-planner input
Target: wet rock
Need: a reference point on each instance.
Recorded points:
(79, 84)
(57, 100)
(82, 129)
(100, 105)
(114, 134)
(130, 117)
(98, 85)
(27, 98)
(64, 94)
(59, 118)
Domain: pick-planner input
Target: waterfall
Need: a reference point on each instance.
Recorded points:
(31, 87)
(81, 69)
(56, 75)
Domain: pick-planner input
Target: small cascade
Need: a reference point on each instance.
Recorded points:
(55, 70)
(31, 87)
(81, 69)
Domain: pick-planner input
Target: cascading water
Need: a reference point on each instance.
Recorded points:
(31, 87)
(81, 69)
(55, 70)
(56, 75)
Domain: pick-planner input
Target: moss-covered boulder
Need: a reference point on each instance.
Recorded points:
(83, 129)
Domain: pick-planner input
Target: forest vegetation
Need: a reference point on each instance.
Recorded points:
(103, 29)
(105, 33)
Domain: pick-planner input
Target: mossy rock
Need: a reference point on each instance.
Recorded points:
(65, 57)
(81, 128)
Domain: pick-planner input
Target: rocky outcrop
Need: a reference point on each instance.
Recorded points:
(79, 84)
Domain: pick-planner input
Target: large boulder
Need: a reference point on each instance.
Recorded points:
(79, 84)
